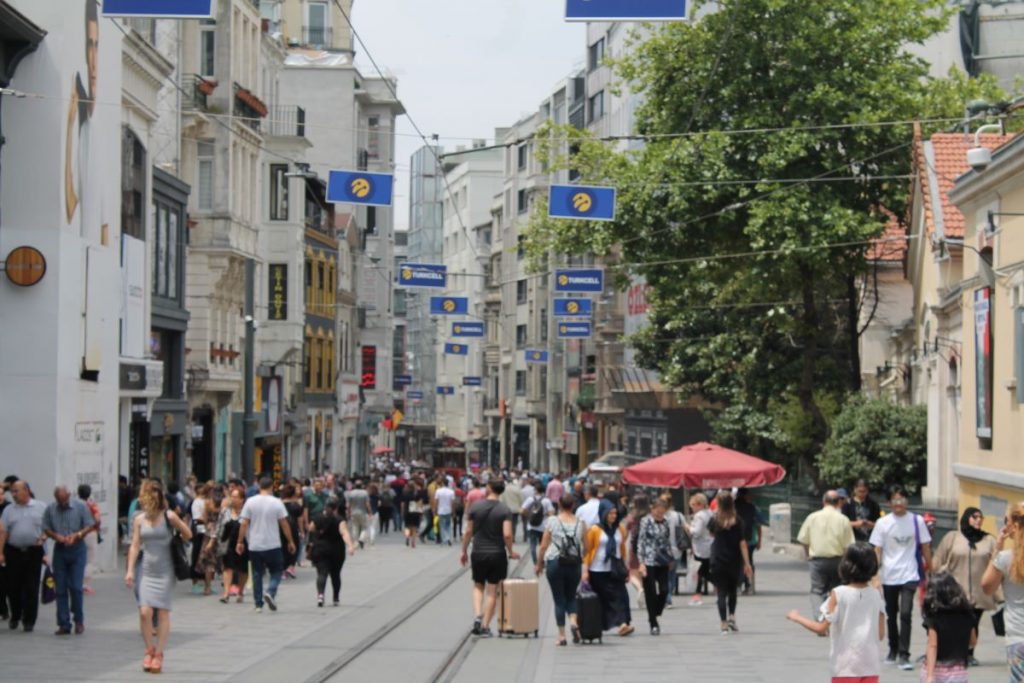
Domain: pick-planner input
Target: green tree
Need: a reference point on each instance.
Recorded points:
(879, 441)
(749, 207)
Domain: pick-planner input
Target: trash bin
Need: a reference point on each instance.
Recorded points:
(779, 519)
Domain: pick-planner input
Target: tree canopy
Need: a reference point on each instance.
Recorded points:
(774, 132)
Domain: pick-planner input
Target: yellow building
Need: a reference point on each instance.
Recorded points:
(990, 469)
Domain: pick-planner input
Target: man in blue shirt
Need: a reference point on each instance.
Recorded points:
(68, 521)
(21, 551)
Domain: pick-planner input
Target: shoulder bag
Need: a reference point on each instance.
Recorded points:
(179, 558)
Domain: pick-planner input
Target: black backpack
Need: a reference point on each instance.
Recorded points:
(537, 512)
(569, 553)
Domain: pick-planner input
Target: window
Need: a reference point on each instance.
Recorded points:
(133, 185)
(329, 362)
(543, 381)
(595, 107)
(207, 36)
(166, 251)
(373, 137)
(204, 179)
(520, 382)
(520, 336)
(279, 192)
(520, 246)
(307, 361)
(522, 155)
(544, 324)
(318, 360)
(317, 30)
(595, 55)
(521, 288)
(521, 203)
(1019, 334)
(308, 280)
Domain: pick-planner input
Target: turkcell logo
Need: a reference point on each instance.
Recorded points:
(467, 329)
(403, 380)
(572, 308)
(360, 187)
(422, 275)
(414, 395)
(165, 9)
(448, 390)
(625, 10)
(449, 305)
(580, 202)
(472, 381)
(536, 356)
(573, 330)
(579, 280)
(456, 349)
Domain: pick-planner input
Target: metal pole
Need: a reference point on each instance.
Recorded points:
(249, 419)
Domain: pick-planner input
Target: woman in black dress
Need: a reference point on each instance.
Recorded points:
(236, 567)
(330, 539)
(414, 501)
(297, 520)
(730, 558)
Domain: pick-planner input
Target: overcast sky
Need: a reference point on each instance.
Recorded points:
(465, 67)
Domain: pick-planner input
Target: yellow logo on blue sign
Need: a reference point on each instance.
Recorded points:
(563, 329)
(457, 329)
(361, 187)
(582, 202)
(407, 274)
(449, 305)
(537, 355)
(456, 348)
(563, 280)
(573, 307)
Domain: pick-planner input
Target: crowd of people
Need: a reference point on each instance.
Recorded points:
(868, 567)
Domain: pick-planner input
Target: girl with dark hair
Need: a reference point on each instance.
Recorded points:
(331, 539)
(641, 507)
(298, 520)
(952, 632)
(561, 557)
(966, 555)
(414, 500)
(854, 616)
(730, 558)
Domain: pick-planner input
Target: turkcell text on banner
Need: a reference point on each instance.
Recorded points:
(422, 275)
(585, 280)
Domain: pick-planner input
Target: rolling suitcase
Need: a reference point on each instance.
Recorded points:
(589, 616)
(519, 612)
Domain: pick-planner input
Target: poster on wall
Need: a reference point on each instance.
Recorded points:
(983, 361)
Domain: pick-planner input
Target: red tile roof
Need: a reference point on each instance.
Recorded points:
(950, 153)
(891, 247)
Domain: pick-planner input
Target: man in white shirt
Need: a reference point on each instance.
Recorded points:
(513, 500)
(444, 501)
(527, 490)
(262, 516)
(588, 512)
(536, 510)
(902, 543)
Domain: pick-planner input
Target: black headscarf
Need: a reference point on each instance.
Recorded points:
(970, 533)
(603, 509)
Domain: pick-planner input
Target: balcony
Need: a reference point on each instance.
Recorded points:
(287, 120)
(317, 36)
(198, 90)
(249, 109)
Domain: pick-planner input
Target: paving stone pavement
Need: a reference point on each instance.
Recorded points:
(215, 642)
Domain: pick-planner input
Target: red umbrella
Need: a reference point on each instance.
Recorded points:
(704, 466)
(381, 450)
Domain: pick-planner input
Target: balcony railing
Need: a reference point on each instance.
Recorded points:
(317, 36)
(287, 120)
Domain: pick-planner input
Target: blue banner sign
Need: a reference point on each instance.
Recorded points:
(164, 9)
(456, 349)
(449, 305)
(403, 380)
(414, 395)
(422, 275)
(582, 203)
(572, 308)
(625, 10)
(579, 280)
(467, 329)
(472, 381)
(573, 330)
(536, 356)
(360, 187)
(447, 390)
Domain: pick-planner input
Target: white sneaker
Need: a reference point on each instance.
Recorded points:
(695, 601)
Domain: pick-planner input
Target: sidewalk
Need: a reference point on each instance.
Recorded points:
(767, 649)
(211, 641)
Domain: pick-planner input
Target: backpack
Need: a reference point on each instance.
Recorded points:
(536, 517)
(569, 554)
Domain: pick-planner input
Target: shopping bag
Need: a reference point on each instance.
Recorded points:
(49, 590)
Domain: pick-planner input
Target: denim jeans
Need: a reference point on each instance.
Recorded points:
(273, 562)
(444, 525)
(68, 575)
(535, 538)
(564, 580)
(899, 607)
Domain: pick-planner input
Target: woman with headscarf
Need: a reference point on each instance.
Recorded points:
(604, 568)
(965, 555)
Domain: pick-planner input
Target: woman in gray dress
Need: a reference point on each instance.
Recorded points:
(151, 533)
